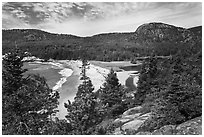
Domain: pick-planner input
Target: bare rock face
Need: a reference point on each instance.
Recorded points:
(136, 123)
(129, 115)
(165, 130)
(191, 127)
(130, 121)
(157, 32)
(132, 111)
(144, 133)
(133, 118)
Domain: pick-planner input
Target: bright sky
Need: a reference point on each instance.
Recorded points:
(89, 18)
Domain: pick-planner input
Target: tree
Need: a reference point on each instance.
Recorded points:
(12, 71)
(184, 91)
(147, 79)
(82, 113)
(85, 65)
(111, 95)
(58, 127)
(27, 103)
(180, 99)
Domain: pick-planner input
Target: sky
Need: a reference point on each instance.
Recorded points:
(90, 18)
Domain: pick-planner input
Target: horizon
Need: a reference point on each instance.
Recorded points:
(89, 35)
(86, 19)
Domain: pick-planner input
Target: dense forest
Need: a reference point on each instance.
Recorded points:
(169, 88)
(162, 38)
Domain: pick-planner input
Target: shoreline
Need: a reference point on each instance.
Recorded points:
(50, 73)
(65, 73)
(69, 71)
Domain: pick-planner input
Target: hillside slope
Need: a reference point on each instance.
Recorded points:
(104, 47)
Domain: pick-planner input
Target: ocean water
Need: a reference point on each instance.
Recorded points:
(64, 76)
(59, 77)
(50, 72)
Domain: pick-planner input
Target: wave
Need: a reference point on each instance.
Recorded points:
(65, 73)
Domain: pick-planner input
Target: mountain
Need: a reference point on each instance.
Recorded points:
(161, 38)
(159, 32)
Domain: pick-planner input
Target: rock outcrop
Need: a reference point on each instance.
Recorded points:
(190, 127)
(136, 122)
(159, 32)
(133, 118)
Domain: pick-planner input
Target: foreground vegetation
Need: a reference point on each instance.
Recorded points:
(170, 88)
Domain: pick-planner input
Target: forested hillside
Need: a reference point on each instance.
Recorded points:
(161, 38)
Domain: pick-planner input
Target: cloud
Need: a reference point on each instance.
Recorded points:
(9, 21)
(96, 17)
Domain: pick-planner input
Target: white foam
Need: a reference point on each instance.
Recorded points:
(55, 64)
(65, 73)
(136, 78)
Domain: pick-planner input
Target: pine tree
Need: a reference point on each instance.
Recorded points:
(27, 103)
(12, 70)
(111, 95)
(180, 100)
(147, 79)
(184, 91)
(85, 65)
(82, 113)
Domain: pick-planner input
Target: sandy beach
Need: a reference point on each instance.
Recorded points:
(66, 76)
(117, 67)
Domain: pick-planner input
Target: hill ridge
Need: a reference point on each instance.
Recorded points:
(105, 47)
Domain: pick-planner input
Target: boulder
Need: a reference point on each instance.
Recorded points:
(191, 127)
(133, 116)
(118, 131)
(165, 130)
(143, 133)
(136, 123)
(132, 111)
(121, 121)
(128, 115)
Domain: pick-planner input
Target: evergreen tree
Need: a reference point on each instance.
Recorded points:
(184, 91)
(12, 71)
(82, 113)
(111, 95)
(147, 79)
(27, 103)
(58, 127)
(85, 65)
(180, 99)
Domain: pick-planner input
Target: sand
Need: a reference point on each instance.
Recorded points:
(116, 65)
(68, 77)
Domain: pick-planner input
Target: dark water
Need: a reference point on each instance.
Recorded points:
(129, 83)
(67, 92)
(50, 72)
(131, 68)
(45, 70)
